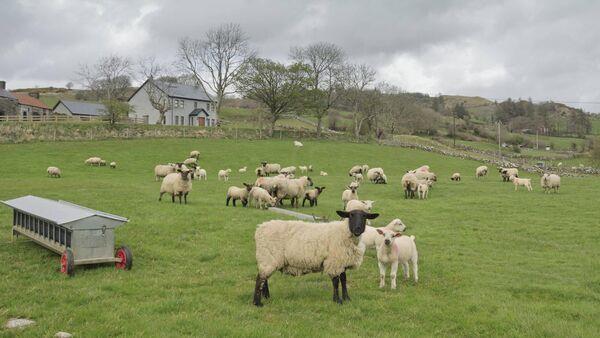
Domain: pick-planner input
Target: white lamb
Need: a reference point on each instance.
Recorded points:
(526, 182)
(224, 174)
(195, 154)
(394, 248)
(481, 171)
(323, 173)
(358, 177)
(298, 144)
(365, 205)
(53, 172)
(236, 193)
(177, 184)
(369, 238)
(288, 170)
(550, 182)
(271, 168)
(113, 165)
(200, 173)
(261, 198)
(349, 195)
(297, 248)
(243, 170)
(93, 161)
(422, 190)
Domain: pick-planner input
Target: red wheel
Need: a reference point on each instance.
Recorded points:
(67, 263)
(125, 258)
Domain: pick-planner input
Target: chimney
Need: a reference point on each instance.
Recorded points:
(2, 84)
(35, 94)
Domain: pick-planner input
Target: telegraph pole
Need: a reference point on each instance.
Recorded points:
(499, 144)
(454, 122)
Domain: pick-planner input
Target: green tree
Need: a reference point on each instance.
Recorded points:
(116, 111)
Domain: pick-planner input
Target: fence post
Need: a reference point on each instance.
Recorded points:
(236, 133)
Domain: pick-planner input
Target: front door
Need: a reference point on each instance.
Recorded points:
(201, 122)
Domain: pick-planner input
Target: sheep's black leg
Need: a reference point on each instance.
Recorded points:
(304, 200)
(344, 289)
(244, 203)
(227, 201)
(234, 202)
(315, 203)
(265, 289)
(257, 291)
(173, 198)
(185, 197)
(336, 293)
(179, 196)
(160, 197)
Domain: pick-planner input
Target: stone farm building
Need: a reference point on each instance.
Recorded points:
(30, 105)
(188, 105)
(79, 108)
(8, 102)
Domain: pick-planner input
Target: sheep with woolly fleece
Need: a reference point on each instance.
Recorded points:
(354, 184)
(298, 248)
(364, 169)
(261, 198)
(409, 185)
(224, 174)
(550, 182)
(365, 205)
(312, 196)
(455, 177)
(113, 164)
(481, 171)
(348, 195)
(288, 170)
(293, 189)
(162, 170)
(526, 182)
(102, 163)
(323, 173)
(376, 175)
(236, 193)
(271, 168)
(260, 172)
(394, 248)
(422, 190)
(303, 169)
(243, 170)
(357, 177)
(93, 161)
(506, 173)
(53, 172)
(200, 173)
(369, 238)
(426, 175)
(423, 168)
(298, 144)
(269, 183)
(177, 184)
(357, 169)
(191, 162)
(195, 154)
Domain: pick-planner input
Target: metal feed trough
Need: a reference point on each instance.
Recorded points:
(79, 234)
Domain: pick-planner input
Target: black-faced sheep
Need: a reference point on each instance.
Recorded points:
(236, 193)
(312, 196)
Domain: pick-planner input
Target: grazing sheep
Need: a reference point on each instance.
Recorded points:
(455, 177)
(377, 176)
(293, 189)
(236, 193)
(354, 184)
(409, 185)
(358, 177)
(260, 172)
(113, 165)
(177, 184)
(394, 248)
(481, 171)
(422, 190)
(288, 170)
(366, 205)
(93, 161)
(298, 144)
(369, 238)
(506, 173)
(200, 173)
(195, 154)
(224, 174)
(550, 181)
(162, 170)
(349, 195)
(357, 169)
(364, 168)
(297, 248)
(312, 196)
(269, 183)
(426, 175)
(243, 170)
(526, 182)
(271, 168)
(191, 162)
(261, 198)
(323, 173)
(423, 168)
(53, 172)
(102, 163)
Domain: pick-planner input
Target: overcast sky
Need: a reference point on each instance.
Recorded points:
(495, 49)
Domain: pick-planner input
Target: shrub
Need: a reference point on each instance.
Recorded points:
(516, 149)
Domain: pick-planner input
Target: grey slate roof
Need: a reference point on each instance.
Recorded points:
(198, 111)
(59, 212)
(6, 94)
(183, 91)
(84, 108)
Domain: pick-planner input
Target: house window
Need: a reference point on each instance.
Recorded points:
(181, 103)
(176, 120)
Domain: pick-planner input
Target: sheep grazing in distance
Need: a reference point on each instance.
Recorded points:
(376, 175)
(113, 164)
(243, 170)
(200, 173)
(526, 182)
(93, 161)
(269, 183)
(422, 190)
(293, 189)
(191, 162)
(349, 195)
(298, 144)
(357, 169)
(298, 248)
(409, 185)
(224, 174)
(481, 171)
(261, 198)
(323, 173)
(53, 172)
(506, 173)
(365, 205)
(303, 169)
(312, 196)
(369, 238)
(195, 154)
(260, 172)
(236, 193)
(162, 170)
(358, 177)
(102, 163)
(426, 175)
(288, 170)
(423, 168)
(271, 168)
(394, 248)
(177, 184)
(550, 182)
(455, 177)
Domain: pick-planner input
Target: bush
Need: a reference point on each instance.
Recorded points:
(516, 149)
(595, 151)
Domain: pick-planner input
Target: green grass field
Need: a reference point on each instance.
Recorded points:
(493, 262)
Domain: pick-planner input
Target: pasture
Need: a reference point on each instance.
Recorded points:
(492, 261)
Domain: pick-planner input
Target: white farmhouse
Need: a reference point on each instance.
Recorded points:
(188, 105)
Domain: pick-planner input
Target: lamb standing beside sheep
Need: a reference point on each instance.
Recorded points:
(526, 182)
(298, 248)
(312, 196)
(550, 182)
(369, 238)
(261, 198)
(223, 175)
(394, 248)
(236, 193)
(200, 173)
(422, 190)
(349, 195)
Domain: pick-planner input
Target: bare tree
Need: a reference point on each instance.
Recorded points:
(325, 61)
(215, 60)
(356, 79)
(109, 78)
(69, 85)
(158, 86)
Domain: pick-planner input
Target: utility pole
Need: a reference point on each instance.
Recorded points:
(499, 144)
(537, 140)
(454, 122)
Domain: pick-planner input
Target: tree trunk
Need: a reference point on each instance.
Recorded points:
(319, 121)
(161, 117)
(272, 128)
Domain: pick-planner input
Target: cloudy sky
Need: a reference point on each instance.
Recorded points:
(546, 50)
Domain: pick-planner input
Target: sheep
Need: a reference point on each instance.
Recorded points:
(236, 193)
(113, 164)
(526, 182)
(297, 248)
(195, 154)
(200, 173)
(349, 195)
(224, 174)
(358, 177)
(354, 184)
(357, 169)
(242, 170)
(455, 177)
(409, 184)
(191, 162)
(312, 196)
(53, 172)
(323, 173)
(288, 170)
(162, 170)
(481, 171)
(102, 163)
(376, 175)
(364, 169)
(394, 248)
(271, 168)
(303, 169)
(506, 173)
(261, 198)
(260, 172)
(369, 238)
(423, 168)
(422, 190)
(298, 144)
(366, 205)
(426, 175)
(293, 189)
(177, 184)
(269, 183)
(93, 161)
(550, 181)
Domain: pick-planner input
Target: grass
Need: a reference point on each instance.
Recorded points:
(492, 261)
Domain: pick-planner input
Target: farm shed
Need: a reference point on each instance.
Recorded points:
(81, 235)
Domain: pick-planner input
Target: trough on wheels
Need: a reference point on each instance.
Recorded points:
(80, 235)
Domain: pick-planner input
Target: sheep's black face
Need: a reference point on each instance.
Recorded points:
(310, 182)
(357, 219)
(185, 174)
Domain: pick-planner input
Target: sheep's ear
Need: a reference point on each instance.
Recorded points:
(379, 231)
(398, 234)
(371, 216)
(343, 214)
